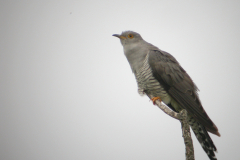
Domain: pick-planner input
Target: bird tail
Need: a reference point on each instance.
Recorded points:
(203, 137)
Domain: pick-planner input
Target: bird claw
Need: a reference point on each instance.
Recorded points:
(154, 99)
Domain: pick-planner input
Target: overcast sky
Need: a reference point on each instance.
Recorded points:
(67, 91)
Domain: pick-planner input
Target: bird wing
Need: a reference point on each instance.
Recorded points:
(174, 79)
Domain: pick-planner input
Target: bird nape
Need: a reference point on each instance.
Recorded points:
(159, 74)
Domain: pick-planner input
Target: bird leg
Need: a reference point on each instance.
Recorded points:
(156, 98)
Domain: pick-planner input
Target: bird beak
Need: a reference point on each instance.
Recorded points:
(119, 36)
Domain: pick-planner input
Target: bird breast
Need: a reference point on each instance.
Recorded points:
(147, 83)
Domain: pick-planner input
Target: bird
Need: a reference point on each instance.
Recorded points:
(159, 74)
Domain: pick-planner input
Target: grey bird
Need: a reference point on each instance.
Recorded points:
(159, 74)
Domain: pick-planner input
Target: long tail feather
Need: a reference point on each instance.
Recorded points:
(203, 137)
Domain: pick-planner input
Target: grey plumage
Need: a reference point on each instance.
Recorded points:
(159, 74)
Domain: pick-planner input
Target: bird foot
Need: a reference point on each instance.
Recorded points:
(155, 98)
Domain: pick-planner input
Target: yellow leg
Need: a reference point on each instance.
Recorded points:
(156, 98)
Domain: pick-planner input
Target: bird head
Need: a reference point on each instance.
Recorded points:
(129, 38)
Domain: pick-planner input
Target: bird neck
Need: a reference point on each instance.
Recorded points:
(135, 55)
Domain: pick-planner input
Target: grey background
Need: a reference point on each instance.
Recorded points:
(67, 91)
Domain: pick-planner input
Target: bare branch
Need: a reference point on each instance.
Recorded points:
(186, 135)
(183, 118)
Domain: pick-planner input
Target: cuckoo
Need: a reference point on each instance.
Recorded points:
(159, 74)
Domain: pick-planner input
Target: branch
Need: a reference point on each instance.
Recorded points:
(186, 135)
(182, 117)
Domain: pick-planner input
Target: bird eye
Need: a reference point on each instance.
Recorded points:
(130, 36)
